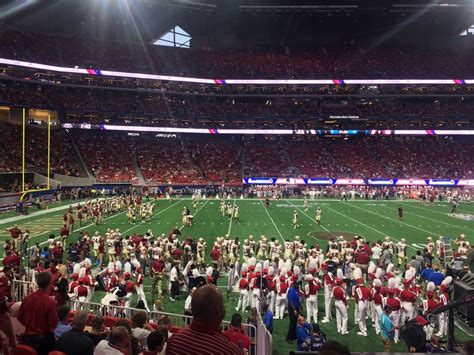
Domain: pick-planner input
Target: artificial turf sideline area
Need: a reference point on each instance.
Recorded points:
(374, 220)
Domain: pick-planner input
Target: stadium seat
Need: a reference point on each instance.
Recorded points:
(110, 321)
(174, 329)
(24, 350)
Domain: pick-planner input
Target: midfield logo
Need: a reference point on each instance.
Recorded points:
(463, 216)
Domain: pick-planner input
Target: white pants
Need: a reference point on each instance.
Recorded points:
(255, 298)
(341, 316)
(429, 331)
(377, 312)
(141, 295)
(90, 293)
(395, 317)
(243, 300)
(327, 302)
(361, 312)
(271, 301)
(443, 324)
(280, 306)
(407, 312)
(312, 308)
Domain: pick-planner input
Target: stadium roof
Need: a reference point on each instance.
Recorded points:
(241, 22)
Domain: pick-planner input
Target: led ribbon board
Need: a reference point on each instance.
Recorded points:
(357, 181)
(100, 72)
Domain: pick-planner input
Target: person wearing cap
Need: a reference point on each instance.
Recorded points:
(340, 301)
(280, 303)
(311, 294)
(408, 298)
(328, 282)
(415, 336)
(362, 296)
(244, 293)
(387, 329)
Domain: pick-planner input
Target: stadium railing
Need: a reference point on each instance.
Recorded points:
(261, 339)
(21, 289)
(264, 338)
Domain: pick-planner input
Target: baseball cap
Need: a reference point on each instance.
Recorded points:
(421, 320)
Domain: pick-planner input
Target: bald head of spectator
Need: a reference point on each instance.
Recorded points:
(208, 306)
(43, 280)
(119, 337)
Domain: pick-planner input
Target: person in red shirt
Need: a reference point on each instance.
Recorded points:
(38, 315)
(236, 334)
(157, 269)
(203, 336)
(15, 234)
(215, 256)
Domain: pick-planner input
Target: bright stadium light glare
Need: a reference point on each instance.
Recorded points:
(16, 6)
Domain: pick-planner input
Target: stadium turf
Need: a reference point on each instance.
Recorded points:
(370, 219)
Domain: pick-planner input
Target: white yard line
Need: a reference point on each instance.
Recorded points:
(231, 218)
(200, 208)
(160, 212)
(435, 220)
(312, 219)
(367, 226)
(395, 220)
(271, 219)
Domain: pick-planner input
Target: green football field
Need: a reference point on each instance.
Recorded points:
(370, 219)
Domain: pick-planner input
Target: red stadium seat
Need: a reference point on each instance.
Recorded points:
(175, 329)
(24, 350)
(154, 325)
(110, 321)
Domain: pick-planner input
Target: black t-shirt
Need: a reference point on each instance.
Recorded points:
(75, 342)
(415, 337)
(96, 338)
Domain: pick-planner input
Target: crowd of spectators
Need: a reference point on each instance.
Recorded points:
(109, 158)
(36, 157)
(284, 62)
(77, 100)
(117, 157)
(360, 158)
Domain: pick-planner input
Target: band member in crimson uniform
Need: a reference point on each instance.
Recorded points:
(281, 288)
(408, 299)
(340, 301)
(362, 297)
(311, 293)
(243, 292)
(395, 304)
(328, 282)
(428, 305)
(377, 303)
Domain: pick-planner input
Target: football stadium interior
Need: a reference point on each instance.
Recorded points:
(236, 176)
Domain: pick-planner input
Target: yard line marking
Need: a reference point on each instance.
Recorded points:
(160, 212)
(312, 219)
(271, 219)
(401, 222)
(367, 226)
(200, 208)
(231, 218)
(435, 220)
